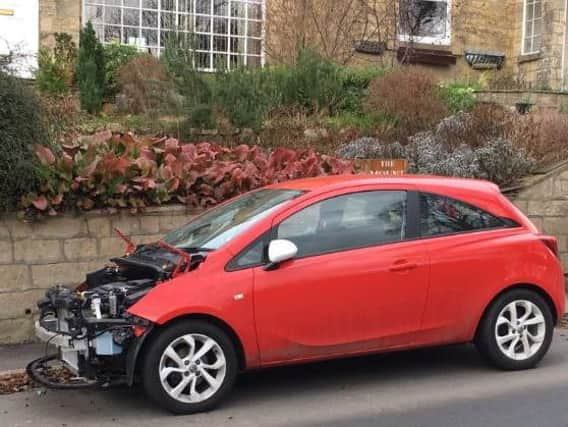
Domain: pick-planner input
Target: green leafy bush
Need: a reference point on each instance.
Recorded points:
(314, 85)
(90, 71)
(201, 116)
(21, 126)
(121, 171)
(362, 122)
(245, 95)
(459, 97)
(56, 71)
(116, 56)
(49, 78)
(355, 85)
(319, 85)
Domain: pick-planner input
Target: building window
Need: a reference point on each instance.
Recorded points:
(532, 27)
(425, 21)
(226, 33)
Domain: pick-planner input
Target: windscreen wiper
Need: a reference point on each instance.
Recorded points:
(196, 249)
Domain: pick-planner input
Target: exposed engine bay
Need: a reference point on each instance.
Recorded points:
(95, 336)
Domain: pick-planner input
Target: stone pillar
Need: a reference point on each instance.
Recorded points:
(59, 16)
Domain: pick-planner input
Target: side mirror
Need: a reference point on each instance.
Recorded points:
(280, 251)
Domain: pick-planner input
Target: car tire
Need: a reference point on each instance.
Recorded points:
(177, 380)
(506, 340)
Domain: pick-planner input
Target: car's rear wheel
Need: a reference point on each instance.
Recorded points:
(516, 331)
(190, 367)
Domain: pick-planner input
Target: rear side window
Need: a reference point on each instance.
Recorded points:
(347, 222)
(441, 215)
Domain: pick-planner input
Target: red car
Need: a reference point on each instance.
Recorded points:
(310, 270)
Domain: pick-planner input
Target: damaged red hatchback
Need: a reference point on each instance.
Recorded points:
(310, 270)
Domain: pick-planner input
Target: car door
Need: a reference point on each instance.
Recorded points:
(356, 285)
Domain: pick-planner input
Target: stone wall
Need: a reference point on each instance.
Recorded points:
(59, 16)
(544, 199)
(541, 100)
(36, 256)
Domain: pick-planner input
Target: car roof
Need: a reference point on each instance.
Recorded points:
(420, 181)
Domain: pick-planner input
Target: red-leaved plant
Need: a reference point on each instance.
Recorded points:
(122, 171)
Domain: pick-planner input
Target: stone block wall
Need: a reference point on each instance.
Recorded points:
(59, 16)
(544, 200)
(35, 256)
(541, 100)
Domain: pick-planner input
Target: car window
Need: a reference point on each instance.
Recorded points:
(347, 222)
(252, 256)
(441, 216)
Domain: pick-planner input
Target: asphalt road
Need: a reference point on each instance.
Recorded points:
(436, 387)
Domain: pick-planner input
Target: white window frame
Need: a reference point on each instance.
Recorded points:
(243, 57)
(524, 29)
(444, 40)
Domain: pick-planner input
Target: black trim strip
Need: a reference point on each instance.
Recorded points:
(412, 215)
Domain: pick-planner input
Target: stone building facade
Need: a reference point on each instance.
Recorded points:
(517, 43)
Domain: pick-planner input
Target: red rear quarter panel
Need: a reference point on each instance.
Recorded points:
(469, 271)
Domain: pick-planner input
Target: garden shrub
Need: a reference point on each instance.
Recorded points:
(121, 171)
(90, 71)
(201, 116)
(245, 96)
(116, 56)
(497, 160)
(145, 86)
(355, 86)
(314, 83)
(408, 97)
(49, 78)
(365, 123)
(459, 97)
(502, 162)
(487, 155)
(371, 148)
(544, 135)
(56, 71)
(428, 155)
(194, 87)
(62, 114)
(21, 126)
(474, 128)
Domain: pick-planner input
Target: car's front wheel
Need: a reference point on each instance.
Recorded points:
(516, 331)
(190, 367)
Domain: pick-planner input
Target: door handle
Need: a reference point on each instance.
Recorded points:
(403, 267)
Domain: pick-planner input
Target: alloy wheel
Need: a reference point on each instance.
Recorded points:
(192, 368)
(520, 330)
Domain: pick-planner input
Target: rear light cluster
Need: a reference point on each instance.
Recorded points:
(551, 243)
